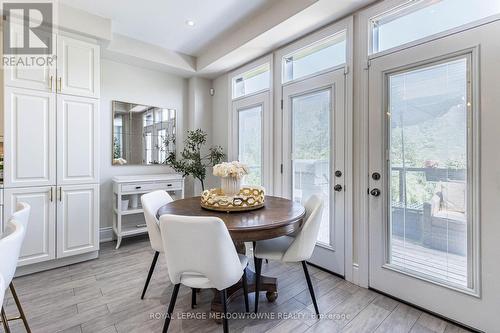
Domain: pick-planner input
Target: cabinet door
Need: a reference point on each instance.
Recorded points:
(77, 140)
(78, 67)
(40, 77)
(77, 220)
(40, 241)
(30, 138)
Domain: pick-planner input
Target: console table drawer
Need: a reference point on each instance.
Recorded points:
(148, 187)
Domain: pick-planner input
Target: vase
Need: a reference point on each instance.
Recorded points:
(230, 185)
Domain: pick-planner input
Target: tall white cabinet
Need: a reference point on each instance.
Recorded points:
(51, 154)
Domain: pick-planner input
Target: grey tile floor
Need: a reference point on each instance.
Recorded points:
(103, 295)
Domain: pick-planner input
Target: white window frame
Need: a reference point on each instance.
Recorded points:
(405, 6)
(262, 97)
(347, 25)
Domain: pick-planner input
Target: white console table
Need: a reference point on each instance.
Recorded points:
(130, 188)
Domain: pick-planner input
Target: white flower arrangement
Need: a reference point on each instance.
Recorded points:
(232, 169)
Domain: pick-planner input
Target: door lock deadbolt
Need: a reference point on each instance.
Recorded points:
(376, 176)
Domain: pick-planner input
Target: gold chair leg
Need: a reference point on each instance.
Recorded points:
(4, 321)
(19, 307)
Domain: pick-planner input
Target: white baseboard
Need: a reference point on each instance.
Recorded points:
(51, 264)
(106, 234)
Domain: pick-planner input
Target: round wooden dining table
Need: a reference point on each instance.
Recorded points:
(278, 217)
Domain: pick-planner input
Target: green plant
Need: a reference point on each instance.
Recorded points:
(116, 148)
(192, 162)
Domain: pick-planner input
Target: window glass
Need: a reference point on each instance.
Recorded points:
(149, 148)
(311, 152)
(162, 149)
(321, 55)
(429, 188)
(250, 143)
(420, 19)
(254, 80)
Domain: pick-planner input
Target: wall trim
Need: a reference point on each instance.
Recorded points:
(55, 263)
(106, 234)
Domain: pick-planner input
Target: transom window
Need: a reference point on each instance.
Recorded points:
(252, 81)
(319, 56)
(419, 19)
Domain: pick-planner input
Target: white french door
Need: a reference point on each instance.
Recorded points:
(433, 224)
(313, 155)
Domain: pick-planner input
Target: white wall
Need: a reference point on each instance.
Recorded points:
(142, 86)
(200, 116)
(220, 112)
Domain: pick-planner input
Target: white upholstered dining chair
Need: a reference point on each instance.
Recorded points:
(297, 248)
(201, 254)
(151, 202)
(10, 247)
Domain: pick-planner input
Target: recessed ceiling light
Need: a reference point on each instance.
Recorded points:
(190, 23)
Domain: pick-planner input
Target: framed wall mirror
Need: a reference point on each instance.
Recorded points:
(142, 134)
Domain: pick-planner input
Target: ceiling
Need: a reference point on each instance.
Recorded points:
(163, 22)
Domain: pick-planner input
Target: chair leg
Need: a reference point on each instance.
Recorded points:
(19, 308)
(245, 290)
(4, 321)
(310, 286)
(171, 307)
(151, 269)
(258, 269)
(223, 299)
(254, 259)
(193, 298)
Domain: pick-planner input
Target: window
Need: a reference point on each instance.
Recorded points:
(252, 81)
(319, 56)
(149, 148)
(250, 118)
(158, 143)
(311, 151)
(419, 19)
(250, 143)
(429, 164)
(162, 149)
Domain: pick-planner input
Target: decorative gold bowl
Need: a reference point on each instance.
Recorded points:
(249, 198)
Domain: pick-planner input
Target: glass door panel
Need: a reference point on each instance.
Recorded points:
(427, 109)
(311, 151)
(250, 143)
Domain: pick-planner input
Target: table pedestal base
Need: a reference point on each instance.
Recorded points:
(267, 284)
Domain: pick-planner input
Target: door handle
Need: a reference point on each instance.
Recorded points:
(375, 192)
(60, 84)
(337, 188)
(51, 195)
(60, 193)
(50, 84)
